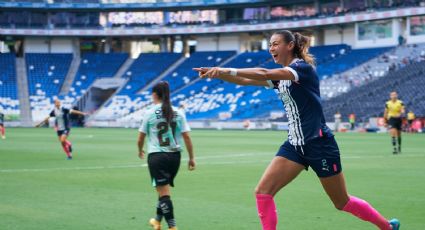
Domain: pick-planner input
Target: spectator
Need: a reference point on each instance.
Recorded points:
(352, 120)
(410, 118)
(337, 117)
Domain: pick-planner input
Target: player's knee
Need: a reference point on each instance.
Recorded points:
(256, 191)
(263, 190)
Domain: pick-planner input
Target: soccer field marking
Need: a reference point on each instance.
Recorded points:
(73, 168)
(184, 159)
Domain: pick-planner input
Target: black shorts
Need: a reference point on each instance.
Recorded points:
(321, 154)
(163, 167)
(63, 132)
(395, 123)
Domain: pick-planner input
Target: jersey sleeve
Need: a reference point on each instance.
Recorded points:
(52, 113)
(303, 72)
(184, 126)
(144, 124)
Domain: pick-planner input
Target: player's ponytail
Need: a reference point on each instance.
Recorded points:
(162, 90)
(301, 45)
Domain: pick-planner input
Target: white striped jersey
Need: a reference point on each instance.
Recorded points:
(302, 102)
(62, 118)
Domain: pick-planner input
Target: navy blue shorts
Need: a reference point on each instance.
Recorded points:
(321, 154)
(63, 132)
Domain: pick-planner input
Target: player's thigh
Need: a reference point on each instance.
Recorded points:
(336, 189)
(393, 132)
(63, 137)
(279, 173)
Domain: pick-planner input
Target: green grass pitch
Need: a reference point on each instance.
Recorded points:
(107, 187)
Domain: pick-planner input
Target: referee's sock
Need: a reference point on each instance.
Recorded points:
(399, 143)
(166, 206)
(394, 144)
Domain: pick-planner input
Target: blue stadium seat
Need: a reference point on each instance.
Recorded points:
(46, 73)
(93, 66)
(9, 102)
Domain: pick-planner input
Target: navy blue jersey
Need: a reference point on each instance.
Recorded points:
(62, 118)
(302, 102)
(1, 118)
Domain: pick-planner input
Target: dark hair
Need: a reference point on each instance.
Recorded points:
(162, 90)
(301, 45)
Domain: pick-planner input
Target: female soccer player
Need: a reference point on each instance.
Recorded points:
(310, 142)
(62, 125)
(165, 126)
(2, 128)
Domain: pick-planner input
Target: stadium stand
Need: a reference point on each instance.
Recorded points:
(206, 100)
(184, 73)
(9, 103)
(46, 73)
(93, 66)
(143, 70)
(369, 100)
(370, 70)
(203, 99)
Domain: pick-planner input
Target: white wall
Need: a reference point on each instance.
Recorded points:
(228, 42)
(47, 45)
(332, 36)
(349, 35)
(61, 45)
(335, 35)
(36, 45)
(221, 42)
(207, 43)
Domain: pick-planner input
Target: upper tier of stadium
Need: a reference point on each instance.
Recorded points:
(110, 18)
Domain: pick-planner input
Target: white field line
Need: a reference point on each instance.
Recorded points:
(236, 162)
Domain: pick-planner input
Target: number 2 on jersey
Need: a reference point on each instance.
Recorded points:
(163, 129)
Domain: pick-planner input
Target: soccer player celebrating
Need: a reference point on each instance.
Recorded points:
(394, 108)
(62, 125)
(2, 128)
(310, 142)
(164, 126)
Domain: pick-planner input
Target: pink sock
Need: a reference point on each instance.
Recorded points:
(366, 212)
(66, 149)
(267, 211)
(3, 130)
(68, 144)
